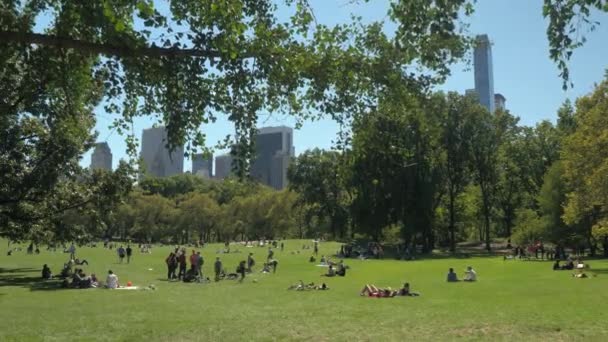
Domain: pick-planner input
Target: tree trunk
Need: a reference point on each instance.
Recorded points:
(452, 224)
(605, 246)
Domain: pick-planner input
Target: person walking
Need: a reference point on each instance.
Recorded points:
(250, 262)
(72, 251)
(129, 253)
(241, 270)
(217, 267)
(121, 253)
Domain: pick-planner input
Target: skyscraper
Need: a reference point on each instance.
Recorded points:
(500, 101)
(273, 153)
(223, 166)
(484, 74)
(158, 160)
(101, 157)
(202, 166)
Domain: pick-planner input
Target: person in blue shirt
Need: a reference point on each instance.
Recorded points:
(452, 277)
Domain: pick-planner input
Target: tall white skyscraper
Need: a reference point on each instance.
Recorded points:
(159, 162)
(273, 152)
(484, 72)
(101, 157)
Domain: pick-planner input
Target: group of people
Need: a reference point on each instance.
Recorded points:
(122, 253)
(570, 264)
(177, 259)
(78, 279)
(469, 275)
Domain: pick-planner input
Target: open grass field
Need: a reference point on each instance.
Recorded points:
(513, 300)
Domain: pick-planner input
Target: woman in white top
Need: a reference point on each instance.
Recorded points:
(470, 274)
(112, 280)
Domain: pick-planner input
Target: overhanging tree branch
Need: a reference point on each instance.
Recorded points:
(104, 48)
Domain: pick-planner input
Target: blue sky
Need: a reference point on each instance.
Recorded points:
(523, 72)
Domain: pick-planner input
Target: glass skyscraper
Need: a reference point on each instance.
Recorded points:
(484, 74)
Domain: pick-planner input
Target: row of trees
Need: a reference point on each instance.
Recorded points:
(441, 169)
(187, 208)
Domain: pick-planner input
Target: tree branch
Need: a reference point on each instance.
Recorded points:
(103, 48)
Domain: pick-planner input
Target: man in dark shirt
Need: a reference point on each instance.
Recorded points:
(129, 252)
(250, 262)
(217, 267)
(182, 265)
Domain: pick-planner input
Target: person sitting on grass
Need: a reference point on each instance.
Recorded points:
(112, 280)
(66, 272)
(266, 268)
(80, 262)
(312, 259)
(323, 287)
(330, 272)
(191, 275)
(341, 269)
(322, 261)
(557, 266)
(470, 274)
(569, 265)
(372, 291)
(94, 280)
(46, 272)
(452, 277)
(405, 291)
(85, 281)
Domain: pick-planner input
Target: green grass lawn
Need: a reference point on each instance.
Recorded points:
(512, 300)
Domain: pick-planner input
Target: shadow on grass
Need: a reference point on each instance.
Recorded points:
(15, 277)
(17, 270)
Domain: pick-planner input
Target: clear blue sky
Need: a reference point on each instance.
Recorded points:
(523, 72)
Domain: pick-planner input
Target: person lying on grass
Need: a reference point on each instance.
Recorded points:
(300, 286)
(372, 291)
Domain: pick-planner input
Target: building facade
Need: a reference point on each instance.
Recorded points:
(101, 157)
(158, 160)
(202, 166)
(484, 72)
(500, 101)
(273, 153)
(223, 166)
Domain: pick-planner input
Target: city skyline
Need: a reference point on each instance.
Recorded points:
(523, 73)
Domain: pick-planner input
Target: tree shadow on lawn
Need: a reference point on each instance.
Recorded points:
(16, 278)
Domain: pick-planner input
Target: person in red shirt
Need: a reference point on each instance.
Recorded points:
(194, 260)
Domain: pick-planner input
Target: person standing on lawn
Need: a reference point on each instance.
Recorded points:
(217, 267)
(121, 254)
(129, 253)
